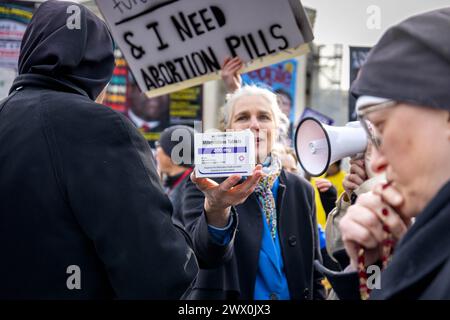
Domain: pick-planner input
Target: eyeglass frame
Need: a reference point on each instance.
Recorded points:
(362, 117)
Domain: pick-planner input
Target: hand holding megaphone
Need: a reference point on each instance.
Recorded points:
(318, 145)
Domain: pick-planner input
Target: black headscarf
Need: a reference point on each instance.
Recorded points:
(83, 57)
(411, 63)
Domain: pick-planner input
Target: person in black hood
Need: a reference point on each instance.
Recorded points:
(175, 158)
(403, 102)
(82, 212)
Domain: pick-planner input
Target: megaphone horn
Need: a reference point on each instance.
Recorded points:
(318, 145)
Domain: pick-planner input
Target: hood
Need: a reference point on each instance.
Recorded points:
(82, 57)
(410, 63)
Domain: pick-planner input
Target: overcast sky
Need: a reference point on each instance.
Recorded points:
(345, 21)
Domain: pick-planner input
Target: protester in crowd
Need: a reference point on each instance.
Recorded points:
(285, 101)
(255, 238)
(333, 179)
(403, 98)
(150, 115)
(83, 214)
(325, 198)
(359, 180)
(175, 157)
(287, 157)
(335, 174)
(327, 187)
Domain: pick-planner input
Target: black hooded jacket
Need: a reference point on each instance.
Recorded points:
(82, 212)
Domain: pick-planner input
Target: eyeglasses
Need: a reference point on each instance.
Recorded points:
(372, 132)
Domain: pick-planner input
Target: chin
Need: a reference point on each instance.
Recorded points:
(413, 203)
(409, 211)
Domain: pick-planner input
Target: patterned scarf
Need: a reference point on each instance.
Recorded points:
(272, 167)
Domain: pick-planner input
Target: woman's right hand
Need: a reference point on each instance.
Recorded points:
(220, 197)
(356, 177)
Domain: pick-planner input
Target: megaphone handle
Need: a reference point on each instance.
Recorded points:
(353, 198)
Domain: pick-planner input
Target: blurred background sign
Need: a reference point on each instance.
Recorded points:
(358, 56)
(14, 18)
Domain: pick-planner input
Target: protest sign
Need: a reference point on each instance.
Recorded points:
(186, 106)
(174, 44)
(308, 112)
(282, 79)
(13, 22)
(358, 56)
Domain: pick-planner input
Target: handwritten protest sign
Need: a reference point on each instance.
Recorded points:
(174, 44)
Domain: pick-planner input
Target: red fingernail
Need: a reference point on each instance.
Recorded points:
(386, 228)
(387, 184)
(385, 212)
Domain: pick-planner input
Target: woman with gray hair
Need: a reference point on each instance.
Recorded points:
(255, 238)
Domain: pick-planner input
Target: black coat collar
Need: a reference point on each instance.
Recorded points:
(42, 81)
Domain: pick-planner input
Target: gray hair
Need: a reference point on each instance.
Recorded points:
(281, 120)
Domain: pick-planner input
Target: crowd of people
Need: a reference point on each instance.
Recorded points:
(79, 185)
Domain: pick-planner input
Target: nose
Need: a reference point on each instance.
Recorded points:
(378, 161)
(254, 124)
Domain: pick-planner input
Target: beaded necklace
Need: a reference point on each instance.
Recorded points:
(387, 251)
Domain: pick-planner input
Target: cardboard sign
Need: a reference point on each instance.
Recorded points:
(174, 44)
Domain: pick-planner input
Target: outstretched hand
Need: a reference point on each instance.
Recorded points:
(220, 197)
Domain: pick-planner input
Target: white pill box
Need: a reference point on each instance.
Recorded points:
(221, 154)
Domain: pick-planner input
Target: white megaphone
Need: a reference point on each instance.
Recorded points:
(318, 145)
